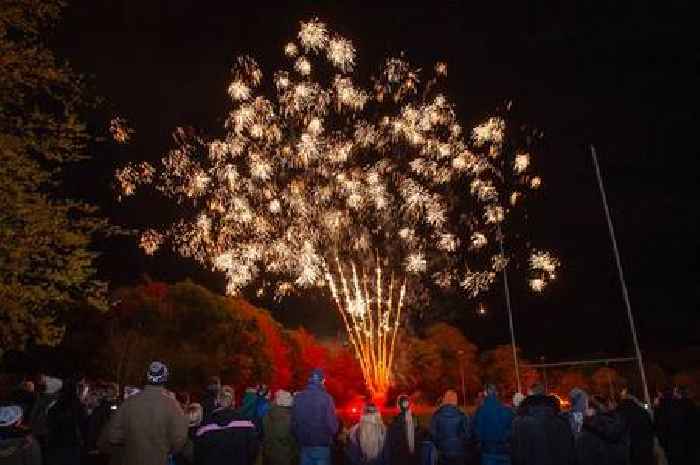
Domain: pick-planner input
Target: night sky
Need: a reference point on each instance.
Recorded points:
(619, 77)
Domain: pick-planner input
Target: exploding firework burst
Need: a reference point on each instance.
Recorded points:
(329, 169)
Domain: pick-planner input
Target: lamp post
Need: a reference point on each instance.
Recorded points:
(460, 355)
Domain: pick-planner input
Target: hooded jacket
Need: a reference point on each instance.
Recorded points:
(398, 451)
(449, 429)
(314, 422)
(540, 436)
(227, 439)
(603, 441)
(492, 425)
(150, 426)
(280, 447)
(18, 447)
(641, 431)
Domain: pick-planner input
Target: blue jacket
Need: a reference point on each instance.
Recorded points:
(314, 422)
(449, 429)
(492, 426)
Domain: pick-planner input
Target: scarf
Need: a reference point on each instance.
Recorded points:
(410, 430)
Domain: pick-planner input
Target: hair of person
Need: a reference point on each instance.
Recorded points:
(490, 388)
(537, 389)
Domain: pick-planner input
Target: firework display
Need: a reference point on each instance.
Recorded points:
(318, 169)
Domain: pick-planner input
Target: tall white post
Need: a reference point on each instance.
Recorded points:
(623, 284)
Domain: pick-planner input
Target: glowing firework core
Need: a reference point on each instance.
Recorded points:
(371, 312)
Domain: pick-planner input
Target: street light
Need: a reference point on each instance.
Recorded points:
(460, 355)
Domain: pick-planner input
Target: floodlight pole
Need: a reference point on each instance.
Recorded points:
(510, 312)
(623, 284)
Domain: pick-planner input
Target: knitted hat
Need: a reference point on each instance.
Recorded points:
(157, 373)
(369, 408)
(9, 415)
(283, 398)
(316, 376)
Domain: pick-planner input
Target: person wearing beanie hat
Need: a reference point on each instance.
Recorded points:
(314, 421)
(449, 429)
(149, 425)
(537, 413)
(17, 445)
(403, 434)
(492, 427)
(227, 437)
(366, 439)
(279, 447)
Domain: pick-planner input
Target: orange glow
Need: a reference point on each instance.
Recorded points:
(371, 312)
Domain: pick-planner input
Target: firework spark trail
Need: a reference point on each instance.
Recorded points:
(369, 334)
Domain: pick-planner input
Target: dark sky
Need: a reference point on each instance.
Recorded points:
(618, 76)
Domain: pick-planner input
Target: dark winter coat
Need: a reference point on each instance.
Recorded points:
(314, 421)
(540, 436)
(227, 439)
(18, 447)
(492, 426)
(675, 422)
(39, 414)
(398, 452)
(209, 404)
(279, 447)
(449, 429)
(641, 432)
(66, 421)
(96, 422)
(603, 441)
(150, 426)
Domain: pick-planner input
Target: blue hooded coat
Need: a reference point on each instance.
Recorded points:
(314, 422)
(492, 425)
(449, 429)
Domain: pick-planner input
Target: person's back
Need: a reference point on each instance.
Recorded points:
(366, 440)
(403, 436)
(540, 436)
(641, 431)
(226, 439)
(17, 445)
(674, 426)
(492, 426)
(150, 425)
(449, 429)
(314, 421)
(602, 441)
(279, 447)
(66, 421)
(40, 410)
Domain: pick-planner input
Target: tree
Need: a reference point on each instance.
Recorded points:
(607, 382)
(498, 367)
(455, 350)
(46, 265)
(570, 379)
